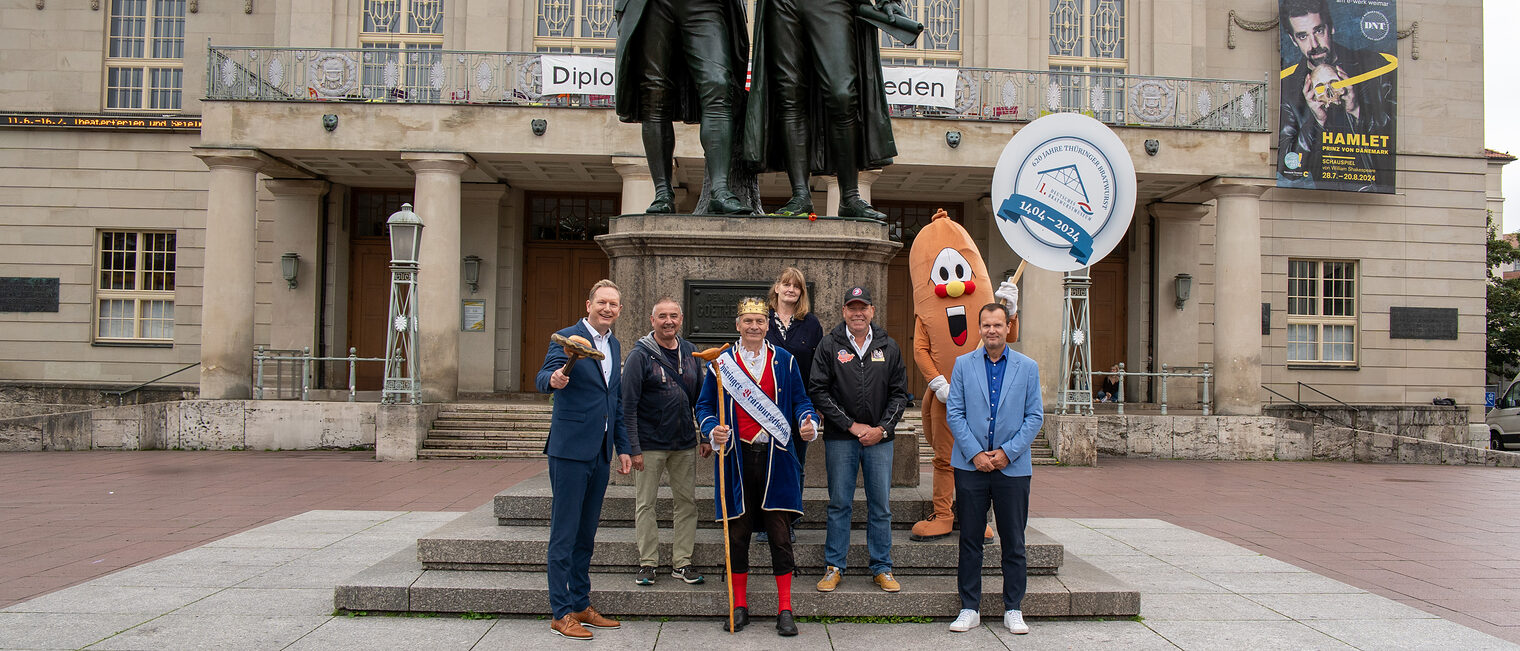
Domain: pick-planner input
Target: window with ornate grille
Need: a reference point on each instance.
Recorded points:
(575, 27)
(939, 45)
(145, 56)
(1088, 46)
(1322, 312)
(400, 38)
(134, 296)
(569, 216)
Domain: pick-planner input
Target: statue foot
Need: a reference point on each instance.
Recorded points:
(663, 204)
(857, 207)
(799, 205)
(724, 202)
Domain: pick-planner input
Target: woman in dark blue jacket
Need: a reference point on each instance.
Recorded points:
(795, 329)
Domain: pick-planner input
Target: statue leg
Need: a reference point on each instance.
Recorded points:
(705, 40)
(839, 81)
(659, 149)
(788, 57)
(658, 89)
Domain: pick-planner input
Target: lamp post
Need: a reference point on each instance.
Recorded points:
(401, 372)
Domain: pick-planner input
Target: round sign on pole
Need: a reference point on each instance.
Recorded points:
(1064, 191)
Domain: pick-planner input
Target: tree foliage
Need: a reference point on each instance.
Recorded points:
(1503, 306)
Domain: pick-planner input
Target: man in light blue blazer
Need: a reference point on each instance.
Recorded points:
(585, 432)
(994, 413)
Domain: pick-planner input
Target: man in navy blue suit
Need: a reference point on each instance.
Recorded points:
(586, 428)
(994, 413)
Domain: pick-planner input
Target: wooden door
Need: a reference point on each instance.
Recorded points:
(1107, 301)
(369, 299)
(556, 277)
(899, 319)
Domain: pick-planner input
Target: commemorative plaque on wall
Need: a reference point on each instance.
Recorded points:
(28, 294)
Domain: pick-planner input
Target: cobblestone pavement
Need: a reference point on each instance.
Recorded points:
(1440, 539)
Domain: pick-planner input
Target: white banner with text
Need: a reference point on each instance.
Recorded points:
(920, 86)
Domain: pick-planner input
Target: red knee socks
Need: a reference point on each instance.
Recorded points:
(784, 592)
(741, 581)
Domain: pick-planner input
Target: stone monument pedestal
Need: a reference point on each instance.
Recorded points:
(709, 262)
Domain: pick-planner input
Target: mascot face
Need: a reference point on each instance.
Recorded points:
(950, 282)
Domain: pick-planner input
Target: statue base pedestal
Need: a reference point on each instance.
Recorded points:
(709, 262)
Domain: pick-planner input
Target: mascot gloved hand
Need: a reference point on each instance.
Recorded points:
(950, 285)
(1008, 293)
(941, 388)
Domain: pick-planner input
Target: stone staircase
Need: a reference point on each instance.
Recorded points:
(491, 560)
(518, 429)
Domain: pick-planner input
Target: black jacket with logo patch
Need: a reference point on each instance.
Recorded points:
(848, 388)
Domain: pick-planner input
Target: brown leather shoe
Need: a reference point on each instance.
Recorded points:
(569, 627)
(589, 617)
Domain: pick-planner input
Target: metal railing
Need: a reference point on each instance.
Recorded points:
(1298, 402)
(262, 355)
(1205, 372)
(121, 395)
(416, 76)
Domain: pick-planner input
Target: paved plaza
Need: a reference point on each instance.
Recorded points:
(240, 550)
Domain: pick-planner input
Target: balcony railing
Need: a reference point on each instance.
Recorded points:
(421, 76)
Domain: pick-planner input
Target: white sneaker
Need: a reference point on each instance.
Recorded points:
(967, 620)
(1014, 620)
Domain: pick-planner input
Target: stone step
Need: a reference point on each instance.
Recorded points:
(401, 584)
(527, 503)
(489, 435)
(435, 453)
(436, 443)
(477, 423)
(476, 542)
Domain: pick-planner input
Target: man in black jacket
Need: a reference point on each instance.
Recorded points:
(860, 387)
(660, 384)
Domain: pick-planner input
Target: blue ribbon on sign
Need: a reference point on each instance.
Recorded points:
(1020, 205)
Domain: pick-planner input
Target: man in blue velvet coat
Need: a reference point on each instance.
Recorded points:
(765, 407)
(585, 432)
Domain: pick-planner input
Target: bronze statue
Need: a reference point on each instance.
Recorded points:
(684, 60)
(816, 104)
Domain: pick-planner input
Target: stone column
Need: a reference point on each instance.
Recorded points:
(1177, 229)
(297, 229)
(1237, 296)
(227, 285)
(831, 202)
(481, 207)
(438, 272)
(638, 185)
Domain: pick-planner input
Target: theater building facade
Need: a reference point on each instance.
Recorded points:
(163, 161)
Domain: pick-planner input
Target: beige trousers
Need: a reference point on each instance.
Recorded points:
(678, 464)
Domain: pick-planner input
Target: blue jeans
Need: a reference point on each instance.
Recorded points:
(843, 459)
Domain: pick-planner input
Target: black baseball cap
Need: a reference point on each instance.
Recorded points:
(858, 293)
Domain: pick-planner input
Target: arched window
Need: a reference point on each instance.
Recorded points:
(1089, 43)
(401, 37)
(575, 26)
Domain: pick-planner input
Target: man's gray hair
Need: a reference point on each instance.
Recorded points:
(664, 298)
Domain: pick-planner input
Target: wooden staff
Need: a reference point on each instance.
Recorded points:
(710, 355)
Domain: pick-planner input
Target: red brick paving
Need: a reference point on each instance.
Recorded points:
(1442, 539)
(68, 517)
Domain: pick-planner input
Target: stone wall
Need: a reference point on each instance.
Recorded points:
(1427, 422)
(25, 399)
(197, 425)
(1072, 438)
(1264, 438)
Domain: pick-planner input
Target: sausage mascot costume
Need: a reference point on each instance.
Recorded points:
(950, 286)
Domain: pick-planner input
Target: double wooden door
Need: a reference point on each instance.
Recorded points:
(556, 277)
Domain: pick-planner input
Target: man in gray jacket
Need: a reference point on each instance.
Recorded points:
(660, 384)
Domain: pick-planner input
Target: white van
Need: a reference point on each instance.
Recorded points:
(1504, 419)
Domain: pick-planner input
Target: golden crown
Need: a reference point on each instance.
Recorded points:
(753, 306)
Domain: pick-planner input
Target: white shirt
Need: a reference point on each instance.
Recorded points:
(754, 364)
(601, 343)
(861, 349)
